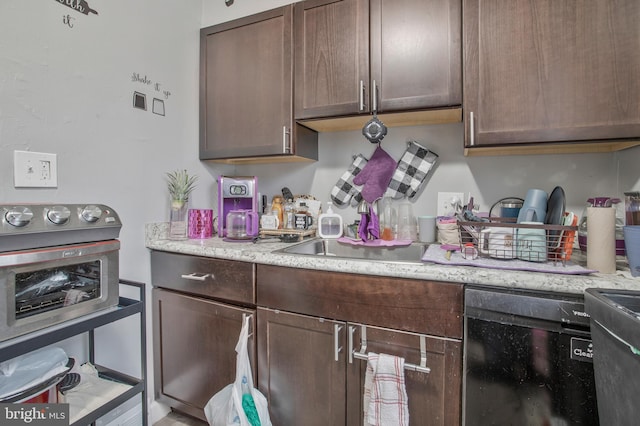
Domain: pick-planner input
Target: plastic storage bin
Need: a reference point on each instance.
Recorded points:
(615, 331)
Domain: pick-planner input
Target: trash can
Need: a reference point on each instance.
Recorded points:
(615, 332)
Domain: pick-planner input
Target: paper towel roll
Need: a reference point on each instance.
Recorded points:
(601, 242)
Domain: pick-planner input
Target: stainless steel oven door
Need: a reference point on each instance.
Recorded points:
(44, 287)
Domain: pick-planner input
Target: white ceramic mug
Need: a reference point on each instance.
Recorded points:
(427, 228)
(269, 221)
(532, 243)
(498, 242)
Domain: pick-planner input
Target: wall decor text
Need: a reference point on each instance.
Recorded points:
(146, 81)
(78, 5)
(68, 20)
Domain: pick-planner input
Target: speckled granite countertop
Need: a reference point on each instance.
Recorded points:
(263, 252)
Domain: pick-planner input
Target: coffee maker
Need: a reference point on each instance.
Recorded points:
(235, 193)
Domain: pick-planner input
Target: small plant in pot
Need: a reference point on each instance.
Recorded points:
(180, 186)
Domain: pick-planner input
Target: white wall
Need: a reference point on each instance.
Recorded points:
(69, 91)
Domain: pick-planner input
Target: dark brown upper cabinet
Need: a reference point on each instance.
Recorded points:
(246, 92)
(545, 72)
(356, 56)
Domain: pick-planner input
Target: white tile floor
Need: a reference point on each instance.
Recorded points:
(177, 419)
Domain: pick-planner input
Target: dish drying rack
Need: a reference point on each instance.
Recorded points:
(502, 238)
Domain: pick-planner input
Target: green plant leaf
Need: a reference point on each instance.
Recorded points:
(180, 184)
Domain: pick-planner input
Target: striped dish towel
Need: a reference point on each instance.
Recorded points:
(385, 396)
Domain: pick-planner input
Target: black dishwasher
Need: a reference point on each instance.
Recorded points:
(527, 359)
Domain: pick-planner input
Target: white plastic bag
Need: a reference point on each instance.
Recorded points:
(225, 407)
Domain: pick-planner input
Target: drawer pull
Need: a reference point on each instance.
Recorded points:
(422, 368)
(196, 276)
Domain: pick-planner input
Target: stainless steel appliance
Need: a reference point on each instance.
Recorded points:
(615, 323)
(528, 359)
(57, 262)
(236, 193)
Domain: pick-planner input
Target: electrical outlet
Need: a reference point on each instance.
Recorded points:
(448, 202)
(35, 170)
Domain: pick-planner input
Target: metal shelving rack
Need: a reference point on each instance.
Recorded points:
(87, 324)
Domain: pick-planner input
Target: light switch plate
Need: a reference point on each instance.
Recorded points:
(448, 201)
(35, 170)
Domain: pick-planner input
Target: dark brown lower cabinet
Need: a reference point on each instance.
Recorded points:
(299, 374)
(311, 375)
(194, 348)
(434, 397)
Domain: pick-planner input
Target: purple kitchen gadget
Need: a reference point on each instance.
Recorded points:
(235, 193)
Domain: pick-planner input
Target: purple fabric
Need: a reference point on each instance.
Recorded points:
(363, 233)
(373, 226)
(369, 227)
(435, 254)
(376, 175)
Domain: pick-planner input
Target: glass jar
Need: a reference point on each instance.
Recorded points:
(288, 215)
(277, 208)
(178, 214)
(388, 220)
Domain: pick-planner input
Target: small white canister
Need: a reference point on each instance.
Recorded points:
(269, 221)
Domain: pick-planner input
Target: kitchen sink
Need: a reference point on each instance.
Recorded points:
(326, 247)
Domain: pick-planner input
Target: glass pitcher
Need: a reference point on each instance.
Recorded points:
(388, 219)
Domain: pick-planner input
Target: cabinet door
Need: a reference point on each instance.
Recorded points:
(246, 86)
(194, 349)
(416, 53)
(547, 70)
(434, 398)
(331, 57)
(301, 364)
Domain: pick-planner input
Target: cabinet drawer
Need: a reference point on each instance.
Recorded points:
(204, 276)
(412, 305)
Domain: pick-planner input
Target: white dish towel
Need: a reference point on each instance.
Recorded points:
(385, 396)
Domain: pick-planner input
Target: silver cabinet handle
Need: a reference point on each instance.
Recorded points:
(286, 149)
(336, 341)
(471, 129)
(364, 356)
(196, 276)
(362, 89)
(244, 318)
(352, 330)
(374, 92)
